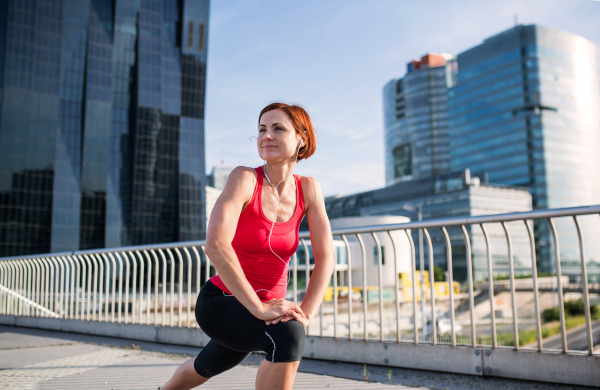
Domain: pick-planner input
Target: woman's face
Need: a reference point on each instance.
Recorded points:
(277, 138)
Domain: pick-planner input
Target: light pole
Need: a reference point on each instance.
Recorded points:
(419, 207)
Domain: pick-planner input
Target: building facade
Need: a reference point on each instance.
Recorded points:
(416, 121)
(525, 109)
(445, 196)
(219, 175)
(101, 123)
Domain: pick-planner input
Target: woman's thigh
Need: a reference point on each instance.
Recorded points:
(215, 359)
(225, 320)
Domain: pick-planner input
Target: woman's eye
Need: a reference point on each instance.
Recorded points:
(279, 128)
(262, 130)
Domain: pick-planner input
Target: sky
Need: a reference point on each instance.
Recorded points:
(333, 57)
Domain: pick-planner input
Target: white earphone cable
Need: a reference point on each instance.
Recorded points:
(275, 218)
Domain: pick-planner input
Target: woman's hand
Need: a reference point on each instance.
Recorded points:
(303, 320)
(277, 308)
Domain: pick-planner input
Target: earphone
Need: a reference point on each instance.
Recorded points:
(274, 218)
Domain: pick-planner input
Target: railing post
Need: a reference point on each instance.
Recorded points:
(432, 287)
(62, 288)
(133, 285)
(3, 274)
(397, 287)
(349, 252)
(511, 271)
(164, 286)
(380, 285)
(295, 276)
(148, 286)
(413, 266)
(470, 282)
(451, 284)
(561, 304)
(141, 284)
(113, 280)
(120, 299)
(490, 284)
(27, 286)
(88, 284)
(365, 293)
(307, 273)
(156, 270)
(189, 287)
(172, 279)
(78, 266)
(335, 293)
(586, 298)
(106, 290)
(180, 289)
(536, 298)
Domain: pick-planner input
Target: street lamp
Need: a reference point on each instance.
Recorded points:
(419, 207)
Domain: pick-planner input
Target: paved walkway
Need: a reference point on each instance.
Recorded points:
(36, 359)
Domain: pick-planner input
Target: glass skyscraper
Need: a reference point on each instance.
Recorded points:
(416, 121)
(525, 109)
(101, 123)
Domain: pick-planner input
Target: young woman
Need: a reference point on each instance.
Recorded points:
(252, 233)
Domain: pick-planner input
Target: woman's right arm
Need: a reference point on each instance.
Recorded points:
(221, 230)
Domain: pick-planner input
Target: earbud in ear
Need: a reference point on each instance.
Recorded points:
(301, 143)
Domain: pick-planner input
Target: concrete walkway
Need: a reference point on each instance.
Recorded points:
(37, 359)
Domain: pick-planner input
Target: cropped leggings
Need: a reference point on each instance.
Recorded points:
(235, 332)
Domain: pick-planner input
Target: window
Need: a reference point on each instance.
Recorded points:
(190, 43)
(376, 255)
(399, 87)
(402, 161)
(201, 36)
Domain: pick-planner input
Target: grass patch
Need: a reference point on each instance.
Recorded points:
(550, 329)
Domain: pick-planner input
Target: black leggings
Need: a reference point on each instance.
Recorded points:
(235, 332)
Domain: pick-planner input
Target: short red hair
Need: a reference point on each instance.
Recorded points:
(302, 124)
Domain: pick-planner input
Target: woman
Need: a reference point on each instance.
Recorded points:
(252, 233)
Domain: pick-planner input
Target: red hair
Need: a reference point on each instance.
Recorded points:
(302, 124)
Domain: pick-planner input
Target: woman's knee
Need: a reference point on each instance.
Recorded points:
(286, 341)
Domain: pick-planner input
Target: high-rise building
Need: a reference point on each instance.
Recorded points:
(416, 121)
(525, 108)
(101, 123)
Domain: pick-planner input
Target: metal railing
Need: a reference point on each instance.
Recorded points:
(158, 284)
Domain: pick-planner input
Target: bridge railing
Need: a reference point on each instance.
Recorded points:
(158, 284)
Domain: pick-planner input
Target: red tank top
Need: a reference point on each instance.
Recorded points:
(265, 271)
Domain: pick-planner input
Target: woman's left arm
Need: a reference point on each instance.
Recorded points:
(322, 247)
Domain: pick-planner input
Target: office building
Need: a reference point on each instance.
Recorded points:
(416, 121)
(101, 123)
(219, 175)
(450, 195)
(524, 107)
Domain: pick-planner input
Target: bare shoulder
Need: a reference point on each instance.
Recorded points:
(242, 175)
(311, 190)
(241, 181)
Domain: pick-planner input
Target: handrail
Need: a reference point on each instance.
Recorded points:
(430, 223)
(145, 284)
(28, 301)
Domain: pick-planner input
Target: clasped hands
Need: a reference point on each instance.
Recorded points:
(281, 310)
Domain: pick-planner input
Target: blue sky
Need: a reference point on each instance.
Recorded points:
(333, 57)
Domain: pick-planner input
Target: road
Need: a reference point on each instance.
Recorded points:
(37, 359)
(576, 338)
